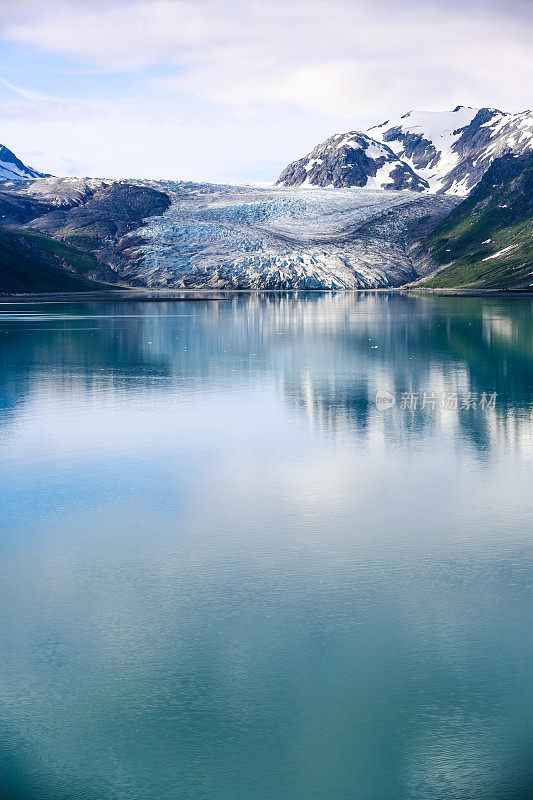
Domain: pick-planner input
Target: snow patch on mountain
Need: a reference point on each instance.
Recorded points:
(513, 132)
(12, 168)
(425, 140)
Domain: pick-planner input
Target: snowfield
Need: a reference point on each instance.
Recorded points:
(276, 238)
(442, 129)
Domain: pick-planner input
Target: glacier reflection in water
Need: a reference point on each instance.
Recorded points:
(226, 574)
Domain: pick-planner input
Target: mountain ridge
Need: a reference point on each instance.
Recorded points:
(442, 152)
(13, 169)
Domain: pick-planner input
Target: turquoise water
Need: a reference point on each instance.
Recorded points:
(225, 573)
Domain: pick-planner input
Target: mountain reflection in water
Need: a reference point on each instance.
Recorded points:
(329, 352)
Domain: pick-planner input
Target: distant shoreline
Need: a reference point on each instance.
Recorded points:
(163, 295)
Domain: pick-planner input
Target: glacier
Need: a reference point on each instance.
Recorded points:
(248, 237)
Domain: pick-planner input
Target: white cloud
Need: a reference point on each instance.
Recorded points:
(337, 63)
(327, 55)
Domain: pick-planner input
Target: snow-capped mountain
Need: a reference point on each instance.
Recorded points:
(452, 150)
(352, 159)
(12, 168)
(439, 152)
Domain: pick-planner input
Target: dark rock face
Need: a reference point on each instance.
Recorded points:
(110, 211)
(403, 177)
(106, 215)
(419, 150)
(17, 209)
(352, 159)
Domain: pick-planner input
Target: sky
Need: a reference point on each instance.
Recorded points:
(233, 90)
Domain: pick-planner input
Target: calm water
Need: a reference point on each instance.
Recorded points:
(225, 574)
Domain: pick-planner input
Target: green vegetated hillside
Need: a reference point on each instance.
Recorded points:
(487, 241)
(31, 262)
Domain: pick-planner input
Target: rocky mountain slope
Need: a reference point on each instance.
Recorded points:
(453, 150)
(65, 234)
(12, 168)
(352, 159)
(100, 220)
(438, 152)
(487, 241)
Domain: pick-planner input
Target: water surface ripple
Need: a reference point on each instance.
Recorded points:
(226, 574)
